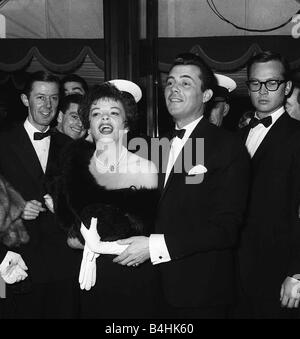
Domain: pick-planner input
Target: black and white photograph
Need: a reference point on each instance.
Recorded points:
(149, 162)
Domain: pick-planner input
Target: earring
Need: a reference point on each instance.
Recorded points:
(89, 137)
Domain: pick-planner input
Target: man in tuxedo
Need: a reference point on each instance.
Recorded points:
(204, 190)
(28, 159)
(68, 120)
(269, 251)
(292, 105)
(73, 83)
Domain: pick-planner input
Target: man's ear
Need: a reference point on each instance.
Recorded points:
(60, 117)
(226, 109)
(288, 87)
(24, 100)
(207, 95)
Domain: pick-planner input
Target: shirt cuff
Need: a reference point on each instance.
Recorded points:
(158, 249)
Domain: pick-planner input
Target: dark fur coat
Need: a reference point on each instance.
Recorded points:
(12, 230)
(121, 213)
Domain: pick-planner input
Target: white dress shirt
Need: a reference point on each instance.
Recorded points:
(41, 147)
(157, 245)
(177, 145)
(257, 134)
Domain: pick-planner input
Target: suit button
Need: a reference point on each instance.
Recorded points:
(160, 257)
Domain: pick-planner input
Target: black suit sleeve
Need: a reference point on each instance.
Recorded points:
(220, 230)
(3, 251)
(294, 180)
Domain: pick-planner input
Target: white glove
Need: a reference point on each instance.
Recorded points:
(12, 268)
(88, 271)
(92, 249)
(91, 236)
(111, 247)
(93, 240)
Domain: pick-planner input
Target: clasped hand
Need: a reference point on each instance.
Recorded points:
(33, 208)
(136, 253)
(12, 268)
(88, 271)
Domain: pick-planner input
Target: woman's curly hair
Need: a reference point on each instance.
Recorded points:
(109, 91)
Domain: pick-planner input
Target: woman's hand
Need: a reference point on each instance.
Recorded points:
(32, 210)
(75, 243)
(91, 236)
(94, 243)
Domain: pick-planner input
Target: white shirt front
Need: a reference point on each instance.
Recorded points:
(258, 133)
(157, 245)
(177, 145)
(41, 147)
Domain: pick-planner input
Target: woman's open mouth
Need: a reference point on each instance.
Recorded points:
(106, 129)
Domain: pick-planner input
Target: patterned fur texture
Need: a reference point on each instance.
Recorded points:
(121, 213)
(12, 230)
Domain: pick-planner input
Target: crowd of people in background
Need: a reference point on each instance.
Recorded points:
(89, 229)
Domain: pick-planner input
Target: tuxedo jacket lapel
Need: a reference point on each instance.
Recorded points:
(179, 163)
(163, 163)
(244, 133)
(272, 138)
(52, 155)
(24, 150)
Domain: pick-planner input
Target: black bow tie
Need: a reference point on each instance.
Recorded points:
(267, 121)
(178, 133)
(40, 135)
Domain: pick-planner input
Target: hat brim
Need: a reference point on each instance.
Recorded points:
(128, 86)
(226, 82)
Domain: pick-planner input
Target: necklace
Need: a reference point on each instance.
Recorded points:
(107, 166)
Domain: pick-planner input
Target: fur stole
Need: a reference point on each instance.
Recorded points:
(121, 213)
(12, 230)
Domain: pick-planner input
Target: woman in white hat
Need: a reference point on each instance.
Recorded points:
(115, 191)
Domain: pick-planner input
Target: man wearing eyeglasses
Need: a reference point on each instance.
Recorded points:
(270, 242)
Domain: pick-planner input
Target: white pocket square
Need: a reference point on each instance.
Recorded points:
(199, 169)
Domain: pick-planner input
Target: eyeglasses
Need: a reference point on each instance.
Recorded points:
(270, 85)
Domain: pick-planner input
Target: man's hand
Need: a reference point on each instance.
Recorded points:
(49, 202)
(12, 268)
(290, 293)
(136, 253)
(32, 210)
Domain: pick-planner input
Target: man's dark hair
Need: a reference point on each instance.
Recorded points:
(269, 56)
(109, 91)
(39, 76)
(75, 78)
(66, 101)
(206, 74)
